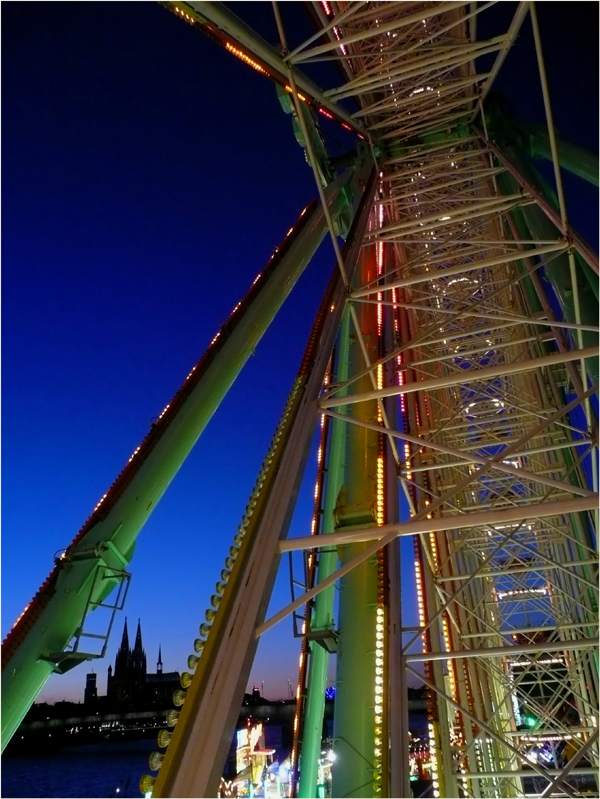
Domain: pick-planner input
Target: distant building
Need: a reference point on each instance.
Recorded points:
(129, 686)
(90, 696)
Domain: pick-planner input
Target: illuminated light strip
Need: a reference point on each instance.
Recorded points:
(478, 755)
(336, 31)
(326, 7)
(490, 751)
(401, 377)
(420, 602)
(102, 498)
(432, 540)
(433, 762)
(401, 381)
(521, 592)
(449, 663)
(25, 609)
(417, 413)
(301, 96)
(537, 662)
(380, 509)
(135, 452)
(184, 15)
(245, 58)
(433, 543)
(380, 618)
(426, 403)
(379, 373)
(407, 458)
(378, 707)
(537, 738)
(259, 68)
(379, 266)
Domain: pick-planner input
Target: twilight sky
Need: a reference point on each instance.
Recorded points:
(147, 177)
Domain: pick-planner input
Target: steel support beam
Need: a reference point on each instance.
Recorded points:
(225, 20)
(506, 651)
(467, 376)
(588, 255)
(461, 269)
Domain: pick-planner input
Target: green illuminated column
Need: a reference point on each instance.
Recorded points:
(322, 618)
(354, 728)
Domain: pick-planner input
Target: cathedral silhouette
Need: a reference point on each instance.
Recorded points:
(129, 685)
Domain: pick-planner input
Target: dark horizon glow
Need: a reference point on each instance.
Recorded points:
(148, 175)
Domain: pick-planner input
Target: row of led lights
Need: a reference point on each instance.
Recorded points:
(430, 727)
(378, 709)
(213, 341)
(179, 696)
(255, 65)
(380, 516)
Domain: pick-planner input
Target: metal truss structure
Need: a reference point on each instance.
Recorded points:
(453, 370)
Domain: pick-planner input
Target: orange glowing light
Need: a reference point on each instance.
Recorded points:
(291, 91)
(245, 58)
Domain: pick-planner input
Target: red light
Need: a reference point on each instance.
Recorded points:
(347, 127)
(326, 114)
(327, 7)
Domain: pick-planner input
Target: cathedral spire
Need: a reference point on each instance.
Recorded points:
(137, 647)
(138, 656)
(125, 639)
(159, 664)
(123, 654)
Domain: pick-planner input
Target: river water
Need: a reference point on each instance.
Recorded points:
(107, 769)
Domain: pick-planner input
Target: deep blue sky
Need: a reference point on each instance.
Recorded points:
(147, 177)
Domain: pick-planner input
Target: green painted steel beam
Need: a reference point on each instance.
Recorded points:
(354, 723)
(322, 617)
(508, 135)
(572, 157)
(557, 267)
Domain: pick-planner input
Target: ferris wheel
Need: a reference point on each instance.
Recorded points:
(450, 377)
